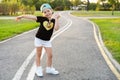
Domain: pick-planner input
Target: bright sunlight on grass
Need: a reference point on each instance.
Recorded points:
(10, 28)
(110, 30)
(95, 13)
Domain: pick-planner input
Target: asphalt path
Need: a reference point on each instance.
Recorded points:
(75, 54)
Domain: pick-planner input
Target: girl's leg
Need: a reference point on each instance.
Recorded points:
(38, 56)
(39, 71)
(49, 56)
(49, 68)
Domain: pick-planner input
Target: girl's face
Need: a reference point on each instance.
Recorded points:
(47, 13)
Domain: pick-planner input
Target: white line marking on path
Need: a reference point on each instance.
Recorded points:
(31, 74)
(22, 68)
(33, 68)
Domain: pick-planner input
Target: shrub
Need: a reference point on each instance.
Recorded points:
(59, 8)
(4, 8)
(8, 8)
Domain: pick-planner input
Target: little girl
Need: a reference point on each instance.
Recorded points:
(48, 22)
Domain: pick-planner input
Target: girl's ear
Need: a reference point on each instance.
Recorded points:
(52, 12)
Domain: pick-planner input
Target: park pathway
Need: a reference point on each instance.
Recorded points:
(75, 54)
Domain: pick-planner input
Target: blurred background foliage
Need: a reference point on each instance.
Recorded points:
(15, 7)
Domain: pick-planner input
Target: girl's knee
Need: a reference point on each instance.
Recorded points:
(50, 55)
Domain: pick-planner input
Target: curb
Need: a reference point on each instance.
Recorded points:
(17, 35)
(111, 62)
(114, 62)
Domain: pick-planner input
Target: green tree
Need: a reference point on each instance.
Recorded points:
(75, 2)
(88, 3)
(11, 5)
(4, 8)
(60, 4)
(92, 6)
(117, 5)
(98, 5)
(113, 3)
(28, 2)
(103, 3)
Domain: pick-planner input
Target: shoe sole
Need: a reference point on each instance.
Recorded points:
(39, 76)
(52, 74)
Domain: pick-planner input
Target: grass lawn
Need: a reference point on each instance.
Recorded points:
(10, 28)
(110, 29)
(96, 13)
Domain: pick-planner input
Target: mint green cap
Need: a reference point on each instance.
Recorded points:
(45, 6)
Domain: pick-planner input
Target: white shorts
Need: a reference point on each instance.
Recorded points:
(38, 43)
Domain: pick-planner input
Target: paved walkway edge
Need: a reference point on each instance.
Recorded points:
(115, 65)
(17, 35)
(112, 63)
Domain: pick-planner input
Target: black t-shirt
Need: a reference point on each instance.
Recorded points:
(45, 30)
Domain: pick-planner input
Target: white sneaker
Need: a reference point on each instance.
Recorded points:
(39, 72)
(51, 70)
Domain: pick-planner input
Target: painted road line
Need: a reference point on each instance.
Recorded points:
(31, 74)
(63, 29)
(33, 68)
(23, 66)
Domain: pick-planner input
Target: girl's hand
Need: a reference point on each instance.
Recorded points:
(56, 16)
(18, 18)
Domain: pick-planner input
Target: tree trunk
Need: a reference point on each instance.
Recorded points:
(88, 3)
(113, 8)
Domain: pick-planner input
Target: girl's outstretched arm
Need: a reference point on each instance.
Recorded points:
(32, 17)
